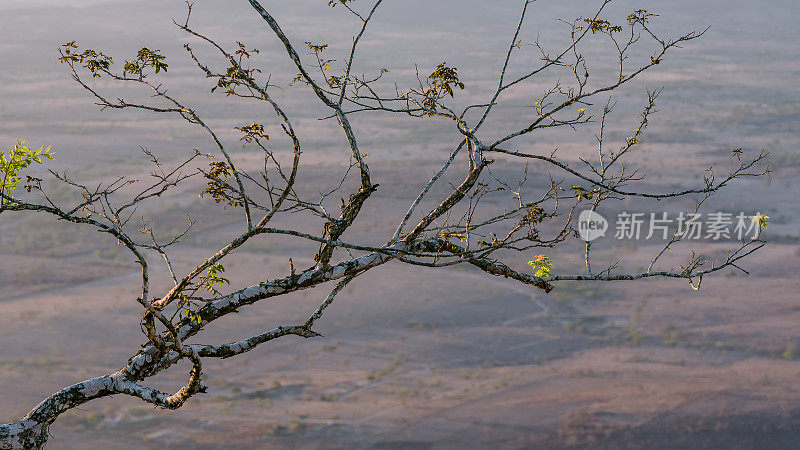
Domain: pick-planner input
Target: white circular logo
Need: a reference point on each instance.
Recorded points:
(591, 225)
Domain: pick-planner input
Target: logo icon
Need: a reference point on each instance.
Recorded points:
(591, 225)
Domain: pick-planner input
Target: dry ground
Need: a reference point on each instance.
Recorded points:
(417, 358)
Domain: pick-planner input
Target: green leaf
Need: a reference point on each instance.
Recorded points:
(13, 161)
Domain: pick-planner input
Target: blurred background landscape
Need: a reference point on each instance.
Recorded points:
(415, 358)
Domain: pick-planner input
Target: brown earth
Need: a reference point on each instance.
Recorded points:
(414, 358)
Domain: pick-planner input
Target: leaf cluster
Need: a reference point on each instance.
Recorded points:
(583, 193)
(333, 3)
(145, 58)
(219, 189)
(15, 160)
(641, 16)
(440, 83)
(236, 75)
(213, 278)
(534, 214)
(252, 132)
(601, 25)
(543, 265)
(94, 61)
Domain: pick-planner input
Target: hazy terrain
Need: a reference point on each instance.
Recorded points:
(412, 357)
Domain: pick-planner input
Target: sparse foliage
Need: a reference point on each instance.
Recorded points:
(542, 264)
(460, 228)
(13, 162)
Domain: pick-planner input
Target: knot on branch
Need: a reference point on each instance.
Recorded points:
(306, 332)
